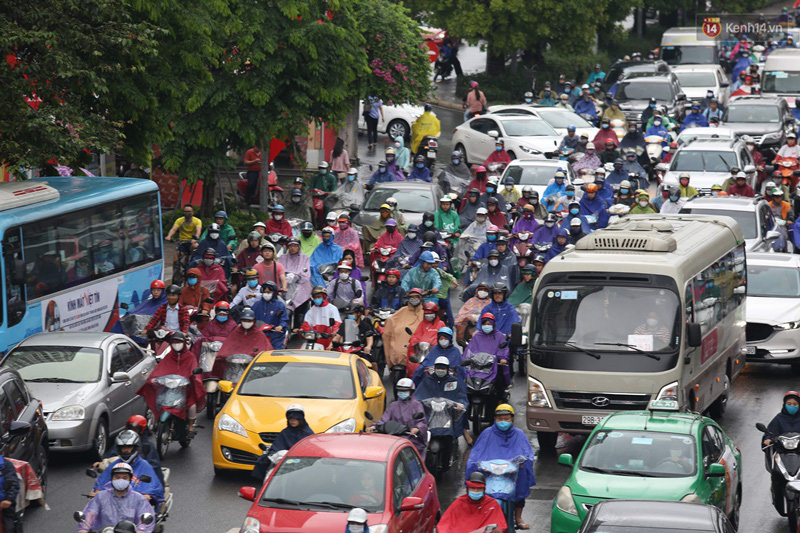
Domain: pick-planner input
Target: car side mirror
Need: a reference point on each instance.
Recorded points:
(373, 391)
(411, 503)
(418, 416)
(772, 235)
(120, 377)
(516, 334)
(725, 84)
(565, 459)
(248, 493)
(494, 134)
(715, 470)
(124, 306)
(694, 335)
(225, 386)
(368, 186)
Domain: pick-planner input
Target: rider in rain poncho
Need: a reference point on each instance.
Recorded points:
(327, 252)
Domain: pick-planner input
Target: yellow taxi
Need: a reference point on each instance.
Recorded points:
(335, 389)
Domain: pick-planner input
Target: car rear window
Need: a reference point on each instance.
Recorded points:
(661, 91)
(532, 175)
(408, 200)
(745, 219)
(703, 161)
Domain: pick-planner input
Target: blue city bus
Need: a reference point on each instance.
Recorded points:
(74, 249)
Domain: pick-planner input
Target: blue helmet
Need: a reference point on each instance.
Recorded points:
(278, 207)
(571, 128)
(221, 214)
(247, 314)
(445, 331)
(427, 257)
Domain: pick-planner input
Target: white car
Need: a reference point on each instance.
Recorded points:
(697, 80)
(773, 308)
(538, 173)
(524, 137)
(690, 134)
(398, 119)
(558, 117)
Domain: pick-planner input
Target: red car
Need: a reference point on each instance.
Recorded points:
(323, 476)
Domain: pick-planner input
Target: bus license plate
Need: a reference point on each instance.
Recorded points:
(750, 350)
(591, 420)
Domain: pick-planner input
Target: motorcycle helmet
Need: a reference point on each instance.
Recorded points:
(429, 236)
(271, 285)
(247, 314)
(392, 202)
(327, 229)
(430, 307)
(405, 384)
(504, 409)
(487, 316)
(157, 284)
(178, 336)
(210, 252)
(221, 214)
(251, 273)
(173, 289)
(419, 159)
(476, 480)
(136, 423)
(357, 516)
(389, 151)
(128, 437)
(529, 269)
(277, 208)
(122, 467)
(551, 218)
(223, 307)
(255, 236)
(500, 287)
(295, 411)
(319, 290)
(493, 253)
(427, 217)
(214, 228)
(345, 217)
(445, 331)
(307, 228)
(791, 394)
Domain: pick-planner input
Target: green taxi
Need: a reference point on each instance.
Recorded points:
(658, 454)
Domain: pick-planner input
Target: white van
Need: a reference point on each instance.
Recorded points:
(781, 75)
(680, 46)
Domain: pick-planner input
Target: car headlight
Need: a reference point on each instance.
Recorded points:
(668, 392)
(529, 150)
(788, 325)
(345, 426)
(251, 525)
(565, 502)
(537, 397)
(228, 423)
(691, 498)
(70, 412)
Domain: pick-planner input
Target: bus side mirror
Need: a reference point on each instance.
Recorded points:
(516, 334)
(18, 276)
(694, 336)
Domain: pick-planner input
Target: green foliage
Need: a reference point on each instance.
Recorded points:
(399, 67)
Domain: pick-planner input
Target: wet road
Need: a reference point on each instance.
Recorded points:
(210, 503)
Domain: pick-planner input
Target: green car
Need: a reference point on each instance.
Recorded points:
(658, 454)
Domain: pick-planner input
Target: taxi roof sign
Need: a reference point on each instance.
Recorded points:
(663, 405)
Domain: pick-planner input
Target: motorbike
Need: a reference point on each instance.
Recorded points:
(171, 394)
(235, 365)
(208, 356)
(161, 513)
(279, 241)
(352, 342)
(787, 166)
(480, 390)
(654, 148)
(125, 525)
(132, 324)
(310, 338)
(379, 318)
(275, 193)
(782, 461)
(158, 342)
(327, 271)
(420, 352)
(542, 247)
(442, 420)
(617, 211)
(429, 147)
(495, 170)
(379, 263)
(501, 482)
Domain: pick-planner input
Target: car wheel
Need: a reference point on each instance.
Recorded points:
(460, 148)
(737, 504)
(100, 441)
(397, 128)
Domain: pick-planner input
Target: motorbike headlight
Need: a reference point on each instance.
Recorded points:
(691, 498)
(788, 325)
(565, 502)
(251, 525)
(228, 423)
(529, 150)
(537, 397)
(345, 426)
(70, 412)
(668, 392)
(789, 443)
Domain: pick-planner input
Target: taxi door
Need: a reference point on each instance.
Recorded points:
(365, 379)
(715, 488)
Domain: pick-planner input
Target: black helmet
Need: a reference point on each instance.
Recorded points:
(500, 287)
(482, 284)
(307, 227)
(173, 289)
(428, 107)
(210, 251)
(429, 236)
(477, 477)
(178, 336)
(353, 307)
(550, 218)
(427, 216)
(128, 438)
(271, 285)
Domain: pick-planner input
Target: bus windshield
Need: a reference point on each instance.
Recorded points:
(778, 81)
(612, 327)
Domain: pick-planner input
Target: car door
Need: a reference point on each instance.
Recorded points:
(713, 488)
(729, 460)
(15, 406)
(138, 366)
(401, 489)
(373, 405)
(118, 395)
(478, 140)
(422, 488)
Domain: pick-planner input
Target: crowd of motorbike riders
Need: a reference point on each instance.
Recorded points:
(383, 291)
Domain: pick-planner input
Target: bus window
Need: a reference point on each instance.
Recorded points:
(75, 242)
(43, 261)
(107, 240)
(15, 292)
(141, 238)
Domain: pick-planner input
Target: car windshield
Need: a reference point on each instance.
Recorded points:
(751, 113)
(703, 161)
(773, 281)
(644, 90)
(527, 128)
(615, 72)
(689, 55)
(562, 119)
(745, 219)
(640, 453)
(703, 133)
(341, 483)
(531, 175)
(408, 200)
(697, 79)
(779, 81)
(56, 364)
(298, 380)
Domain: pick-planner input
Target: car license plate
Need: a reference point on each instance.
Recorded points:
(591, 420)
(431, 154)
(750, 350)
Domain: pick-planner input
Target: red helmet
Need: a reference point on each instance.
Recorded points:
(157, 284)
(430, 306)
(792, 394)
(225, 306)
(415, 291)
(393, 273)
(137, 423)
(487, 316)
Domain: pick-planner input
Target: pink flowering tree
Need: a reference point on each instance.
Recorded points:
(399, 69)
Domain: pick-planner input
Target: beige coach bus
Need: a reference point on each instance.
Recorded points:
(652, 307)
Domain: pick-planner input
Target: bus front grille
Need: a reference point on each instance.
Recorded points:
(756, 331)
(600, 401)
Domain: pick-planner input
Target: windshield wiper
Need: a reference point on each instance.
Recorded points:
(52, 380)
(283, 501)
(596, 469)
(631, 473)
(308, 396)
(727, 166)
(632, 347)
(332, 505)
(584, 350)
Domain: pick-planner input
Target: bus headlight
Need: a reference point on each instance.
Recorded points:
(537, 396)
(565, 502)
(668, 392)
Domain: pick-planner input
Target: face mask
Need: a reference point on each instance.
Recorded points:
(428, 223)
(191, 281)
(624, 191)
(570, 194)
(122, 484)
(673, 198)
(390, 229)
(247, 324)
(267, 296)
(657, 123)
(296, 199)
(420, 165)
(685, 183)
(456, 162)
(652, 106)
(475, 496)
(523, 236)
(318, 301)
(277, 217)
(344, 275)
(444, 343)
(214, 235)
(414, 301)
(487, 328)
(480, 220)
(221, 318)
(351, 178)
(549, 224)
(390, 159)
(252, 283)
(355, 528)
(498, 148)
(643, 203)
(528, 100)
(403, 395)
(792, 409)
(429, 317)
(503, 426)
(632, 130)
(397, 144)
(652, 322)
(534, 201)
(605, 126)
(350, 317)
(411, 235)
(177, 346)
(491, 238)
(490, 190)
(573, 211)
(383, 170)
(493, 262)
(208, 262)
(567, 91)
(714, 193)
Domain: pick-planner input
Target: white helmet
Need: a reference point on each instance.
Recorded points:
(357, 515)
(295, 407)
(435, 257)
(331, 216)
(405, 384)
(352, 171)
(442, 360)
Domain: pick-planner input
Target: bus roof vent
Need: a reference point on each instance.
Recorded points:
(22, 193)
(627, 241)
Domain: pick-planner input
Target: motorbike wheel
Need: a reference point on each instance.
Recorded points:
(164, 437)
(477, 419)
(381, 360)
(183, 435)
(212, 405)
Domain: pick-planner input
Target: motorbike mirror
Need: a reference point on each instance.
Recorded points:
(466, 362)
(78, 516)
(414, 359)
(418, 416)
(123, 305)
(368, 186)
(144, 478)
(503, 344)
(248, 493)
(364, 278)
(197, 371)
(369, 416)
(516, 334)
(209, 300)
(408, 330)
(147, 518)
(761, 427)
(91, 472)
